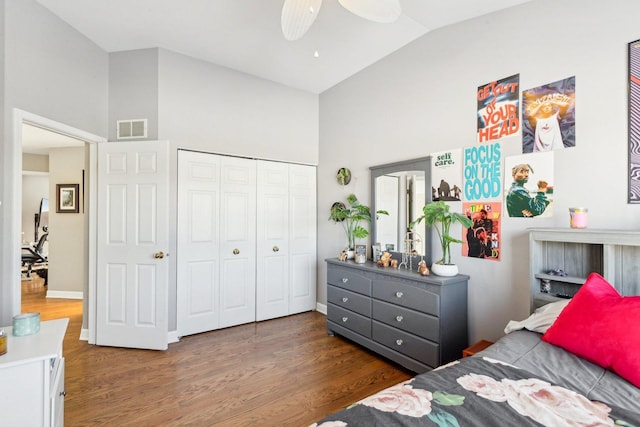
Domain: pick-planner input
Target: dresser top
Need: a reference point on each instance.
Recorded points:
(401, 272)
(46, 344)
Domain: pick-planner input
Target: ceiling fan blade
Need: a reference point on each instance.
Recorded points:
(385, 11)
(298, 16)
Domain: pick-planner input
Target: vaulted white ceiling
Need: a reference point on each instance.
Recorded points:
(245, 35)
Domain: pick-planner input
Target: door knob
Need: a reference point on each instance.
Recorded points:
(159, 255)
(236, 251)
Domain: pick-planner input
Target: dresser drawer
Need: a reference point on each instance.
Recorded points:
(349, 320)
(349, 300)
(420, 324)
(407, 296)
(403, 342)
(349, 279)
(57, 395)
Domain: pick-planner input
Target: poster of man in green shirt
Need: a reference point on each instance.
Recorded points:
(526, 200)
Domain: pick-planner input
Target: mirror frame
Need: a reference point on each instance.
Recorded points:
(419, 164)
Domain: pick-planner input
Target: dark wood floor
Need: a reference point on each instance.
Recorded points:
(282, 372)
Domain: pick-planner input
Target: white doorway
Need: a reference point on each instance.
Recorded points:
(23, 123)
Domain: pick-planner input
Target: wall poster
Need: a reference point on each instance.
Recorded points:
(548, 116)
(482, 173)
(482, 239)
(529, 185)
(634, 122)
(446, 174)
(498, 109)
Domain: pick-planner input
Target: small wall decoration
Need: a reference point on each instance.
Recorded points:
(343, 176)
(67, 198)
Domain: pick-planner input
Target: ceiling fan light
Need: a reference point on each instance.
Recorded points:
(384, 11)
(298, 16)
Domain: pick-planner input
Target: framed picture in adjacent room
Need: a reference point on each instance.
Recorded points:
(67, 198)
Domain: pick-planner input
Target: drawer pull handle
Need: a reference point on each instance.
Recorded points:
(275, 249)
(345, 299)
(345, 280)
(236, 251)
(399, 342)
(344, 319)
(399, 294)
(399, 318)
(63, 393)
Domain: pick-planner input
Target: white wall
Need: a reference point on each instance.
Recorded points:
(67, 270)
(207, 107)
(133, 89)
(35, 186)
(49, 69)
(421, 99)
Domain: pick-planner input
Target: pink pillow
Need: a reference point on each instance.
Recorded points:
(601, 326)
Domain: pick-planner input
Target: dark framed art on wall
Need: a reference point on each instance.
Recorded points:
(67, 198)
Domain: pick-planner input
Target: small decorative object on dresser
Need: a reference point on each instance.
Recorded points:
(361, 254)
(419, 322)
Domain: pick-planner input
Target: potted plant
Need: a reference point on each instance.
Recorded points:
(438, 215)
(351, 218)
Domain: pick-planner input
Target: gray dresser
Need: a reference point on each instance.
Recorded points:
(418, 322)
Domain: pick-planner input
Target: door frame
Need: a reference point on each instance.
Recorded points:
(19, 118)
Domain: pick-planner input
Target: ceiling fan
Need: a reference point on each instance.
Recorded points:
(298, 15)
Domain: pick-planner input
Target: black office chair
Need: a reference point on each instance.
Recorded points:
(35, 256)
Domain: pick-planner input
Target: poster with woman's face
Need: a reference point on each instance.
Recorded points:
(548, 116)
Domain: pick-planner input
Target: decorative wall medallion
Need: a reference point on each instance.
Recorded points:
(343, 176)
(337, 207)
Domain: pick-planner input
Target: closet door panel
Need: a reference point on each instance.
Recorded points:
(272, 287)
(302, 238)
(198, 241)
(238, 241)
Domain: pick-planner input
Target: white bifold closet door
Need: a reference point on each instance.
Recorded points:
(246, 241)
(216, 238)
(286, 239)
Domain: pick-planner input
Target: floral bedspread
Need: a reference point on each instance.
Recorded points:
(478, 391)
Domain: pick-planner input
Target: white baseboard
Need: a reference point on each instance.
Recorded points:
(84, 334)
(321, 308)
(64, 294)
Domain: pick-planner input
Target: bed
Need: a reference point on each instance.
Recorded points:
(575, 362)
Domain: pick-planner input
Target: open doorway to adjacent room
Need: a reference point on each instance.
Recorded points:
(53, 261)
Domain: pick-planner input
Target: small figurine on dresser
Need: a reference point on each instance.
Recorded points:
(343, 256)
(423, 269)
(384, 260)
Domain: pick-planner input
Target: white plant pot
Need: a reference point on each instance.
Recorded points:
(351, 254)
(446, 270)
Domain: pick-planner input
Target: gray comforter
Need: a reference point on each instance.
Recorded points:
(519, 381)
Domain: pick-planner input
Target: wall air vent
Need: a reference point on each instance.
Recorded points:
(132, 129)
